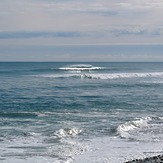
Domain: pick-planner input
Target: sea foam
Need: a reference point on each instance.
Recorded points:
(104, 76)
(81, 67)
(121, 75)
(127, 129)
(68, 132)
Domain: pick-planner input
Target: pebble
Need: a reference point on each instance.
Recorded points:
(154, 159)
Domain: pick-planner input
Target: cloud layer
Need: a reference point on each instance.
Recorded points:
(75, 22)
(78, 15)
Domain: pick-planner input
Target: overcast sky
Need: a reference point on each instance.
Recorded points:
(81, 30)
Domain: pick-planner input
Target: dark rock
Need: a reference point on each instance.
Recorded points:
(154, 159)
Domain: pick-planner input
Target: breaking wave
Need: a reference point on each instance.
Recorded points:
(121, 75)
(125, 130)
(102, 76)
(68, 132)
(81, 67)
(142, 129)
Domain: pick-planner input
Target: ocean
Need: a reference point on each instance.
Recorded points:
(63, 112)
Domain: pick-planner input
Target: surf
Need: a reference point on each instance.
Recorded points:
(80, 67)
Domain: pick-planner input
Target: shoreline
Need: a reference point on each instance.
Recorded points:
(153, 159)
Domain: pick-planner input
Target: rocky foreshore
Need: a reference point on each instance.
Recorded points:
(154, 159)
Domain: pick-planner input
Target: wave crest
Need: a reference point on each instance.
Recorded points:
(80, 67)
(102, 76)
(121, 75)
(128, 129)
(68, 132)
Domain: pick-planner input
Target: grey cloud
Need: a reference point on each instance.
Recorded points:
(137, 31)
(102, 12)
(82, 21)
(141, 4)
(26, 35)
(121, 32)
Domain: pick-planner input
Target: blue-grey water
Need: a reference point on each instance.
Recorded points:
(80, 112)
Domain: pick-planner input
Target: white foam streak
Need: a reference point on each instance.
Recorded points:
(105, 76)
(121, 75)
(80, 67)
(58, 75)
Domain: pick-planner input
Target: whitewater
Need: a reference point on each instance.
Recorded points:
(62, 112)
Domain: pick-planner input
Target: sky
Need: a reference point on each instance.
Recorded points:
(81, 30)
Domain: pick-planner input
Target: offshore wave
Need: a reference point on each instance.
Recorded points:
(121, 75)
(59, 75)
(103, 76)
(18, 114)
(81, 67)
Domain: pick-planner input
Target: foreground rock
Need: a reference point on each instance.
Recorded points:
(154, 159)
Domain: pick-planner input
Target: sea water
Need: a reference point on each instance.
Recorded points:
(80, 112)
